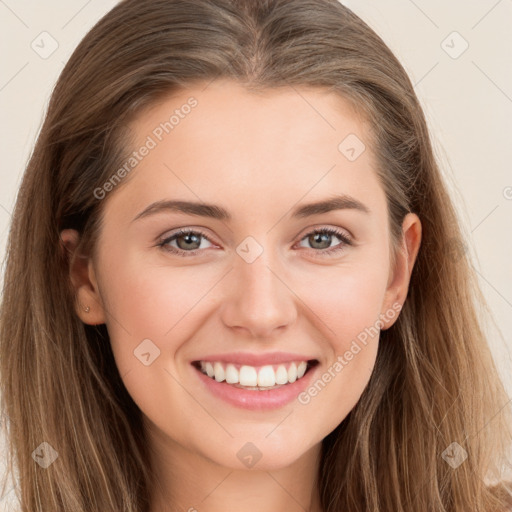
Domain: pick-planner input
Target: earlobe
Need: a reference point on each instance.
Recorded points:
(88, 304)
(398, 286)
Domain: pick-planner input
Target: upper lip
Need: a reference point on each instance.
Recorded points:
(252, 359)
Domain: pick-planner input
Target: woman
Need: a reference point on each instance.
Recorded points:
(172, 336)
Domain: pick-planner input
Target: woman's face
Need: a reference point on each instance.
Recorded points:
(252, 286)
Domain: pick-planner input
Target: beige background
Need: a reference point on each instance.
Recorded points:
(467, 96)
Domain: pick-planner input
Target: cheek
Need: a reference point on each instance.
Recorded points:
(347, 299)
(158, 303)
(154, 310)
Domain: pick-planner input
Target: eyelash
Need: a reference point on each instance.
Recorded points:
(345, 241)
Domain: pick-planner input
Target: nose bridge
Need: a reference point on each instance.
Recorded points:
(257, 299)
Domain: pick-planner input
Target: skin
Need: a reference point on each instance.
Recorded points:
(258, 155)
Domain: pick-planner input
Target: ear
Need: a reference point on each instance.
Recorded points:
(83, 279)
(400, 275)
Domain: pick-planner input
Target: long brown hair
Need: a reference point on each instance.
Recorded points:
(434, 382)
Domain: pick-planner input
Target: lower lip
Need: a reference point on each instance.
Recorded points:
(254, 399)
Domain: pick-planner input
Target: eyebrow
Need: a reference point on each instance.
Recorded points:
(339, 202)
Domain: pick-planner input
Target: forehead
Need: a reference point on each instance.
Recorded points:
(223, 107)
(221, 140)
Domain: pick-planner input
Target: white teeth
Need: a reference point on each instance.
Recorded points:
(292, 373)
(219, 372)
(209, 370)
(267, 376)
(231, 374)
(301, 369)
(248, 376)
(281, 375)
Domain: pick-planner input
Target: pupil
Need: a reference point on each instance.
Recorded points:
(318, 238)
(189, 238)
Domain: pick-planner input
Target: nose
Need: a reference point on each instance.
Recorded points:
(258, 300)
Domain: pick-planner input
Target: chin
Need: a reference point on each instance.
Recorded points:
(257, 453)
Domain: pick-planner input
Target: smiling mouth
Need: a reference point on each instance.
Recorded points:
(257, 378)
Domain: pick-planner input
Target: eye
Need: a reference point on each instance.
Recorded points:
(188, 242)
(321, 239)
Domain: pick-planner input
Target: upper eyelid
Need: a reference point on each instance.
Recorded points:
(182, 231)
